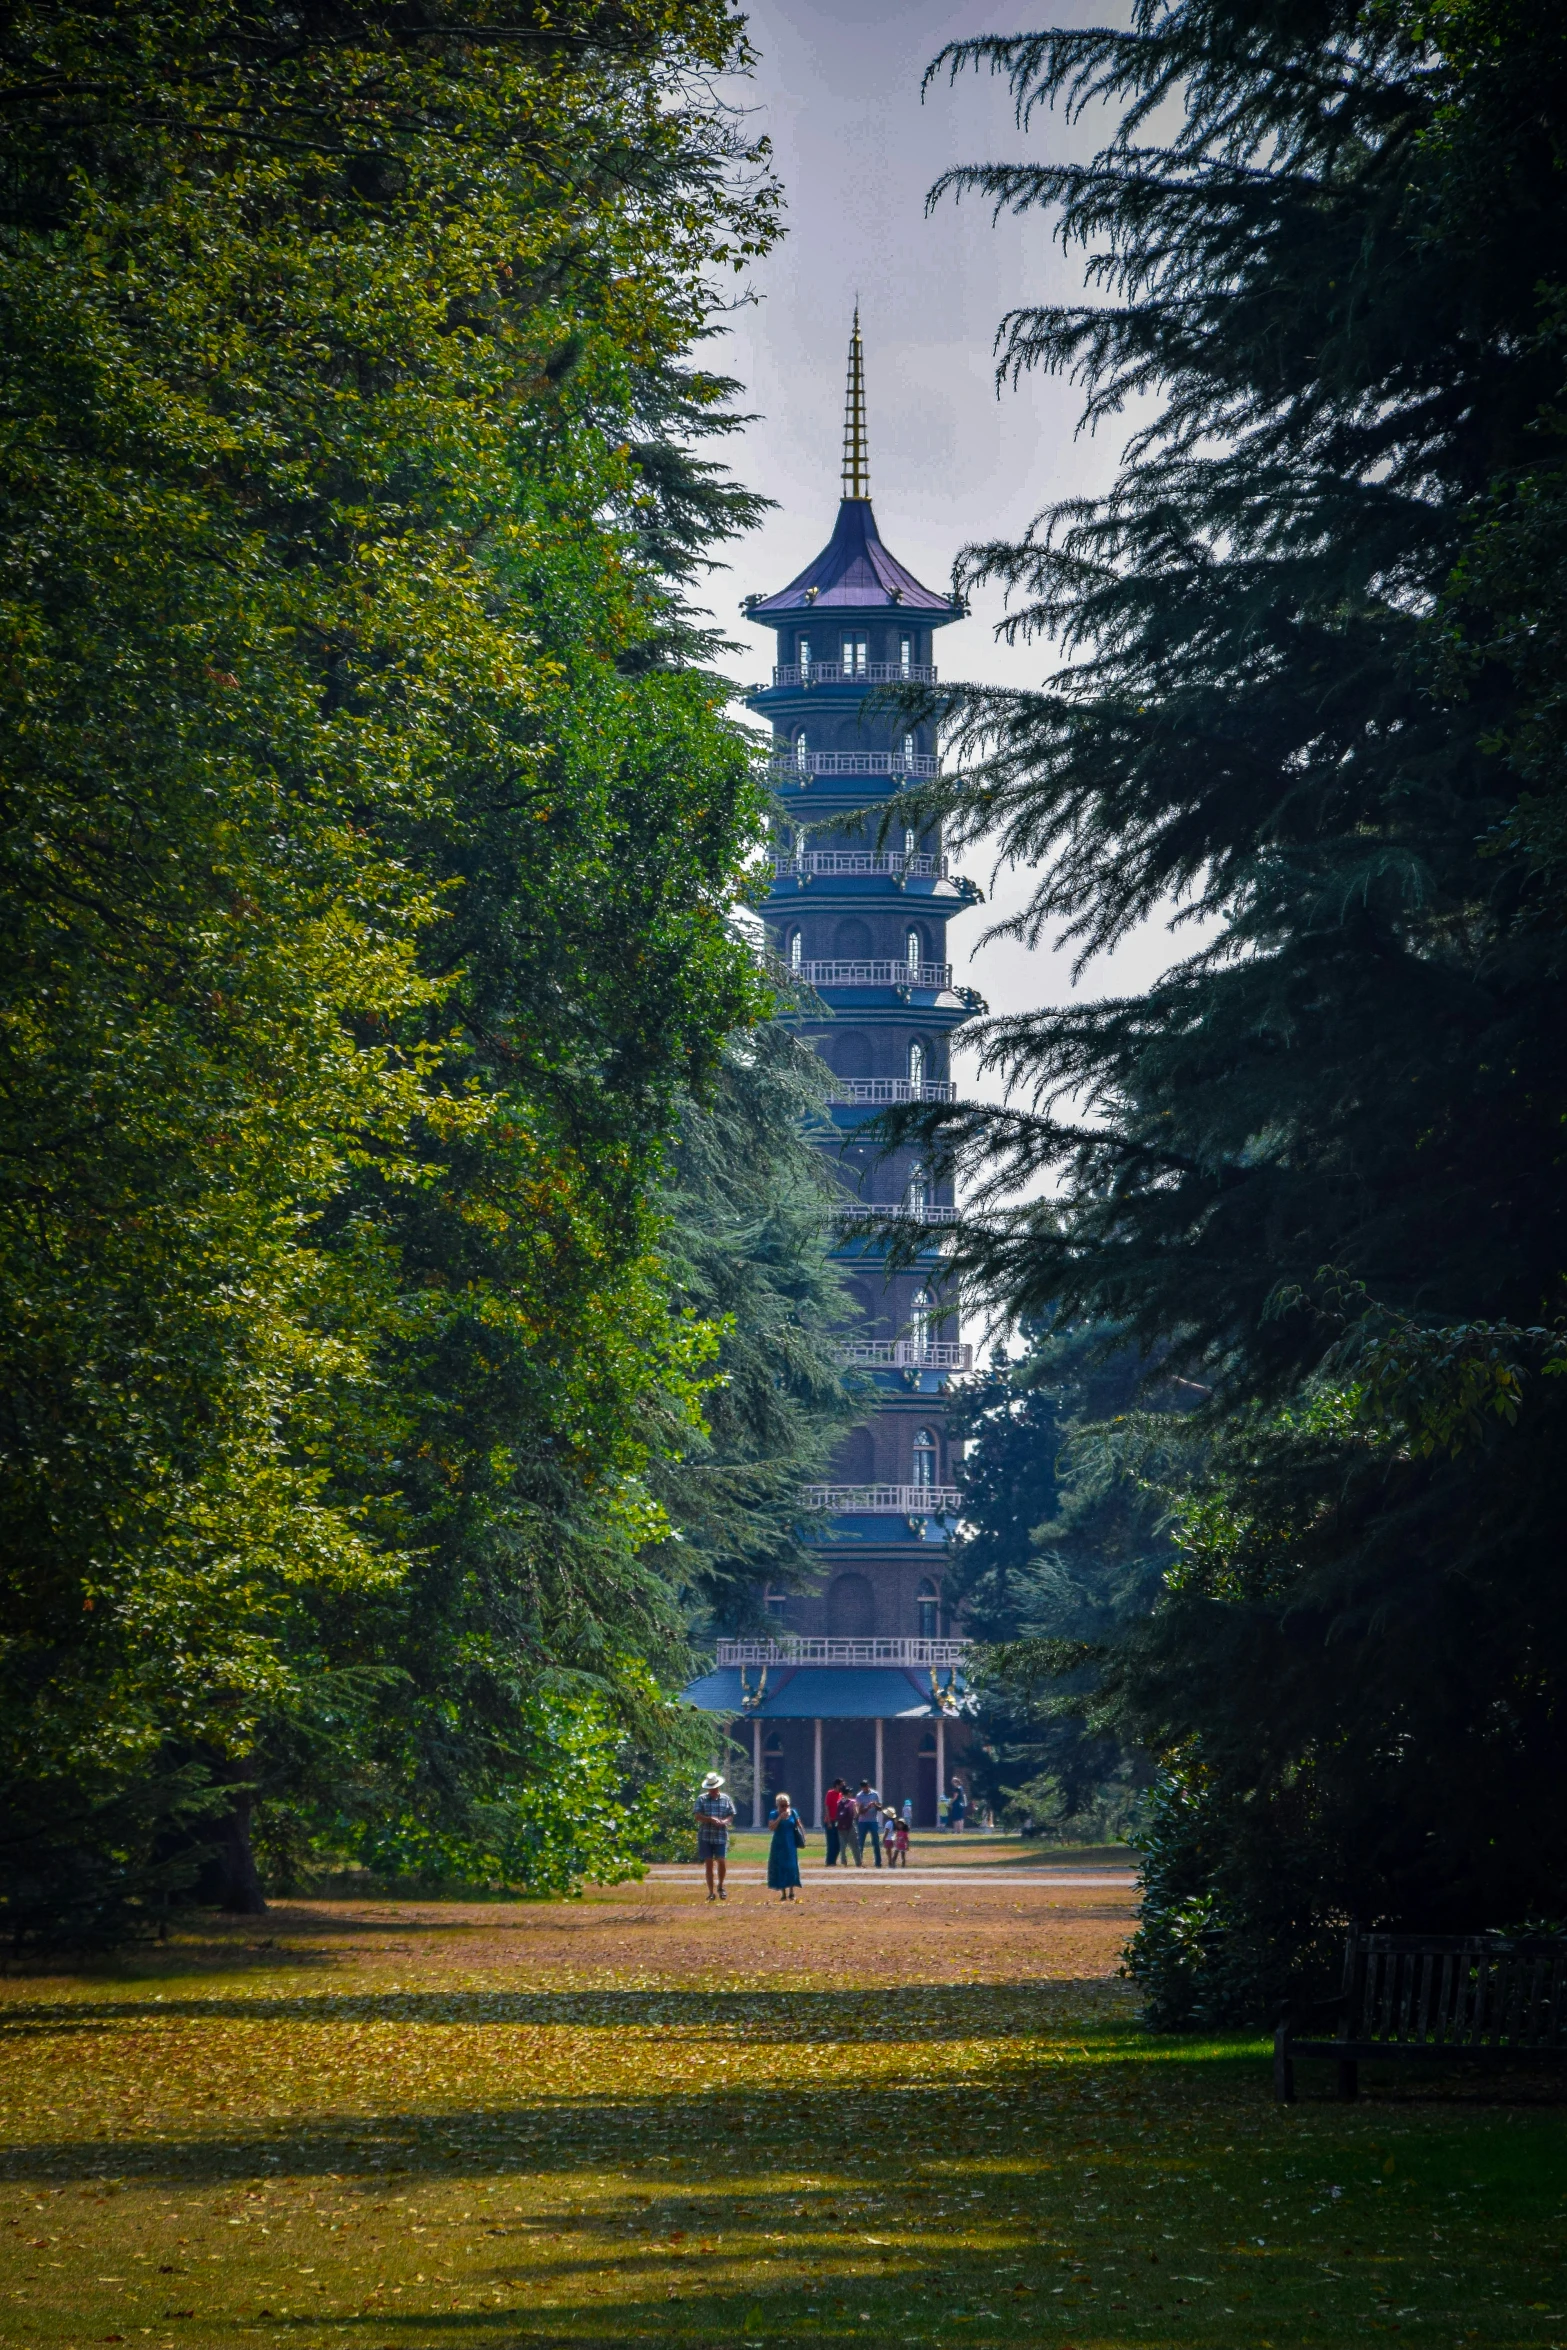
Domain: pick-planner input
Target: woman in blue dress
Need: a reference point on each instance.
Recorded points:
(783, 1854)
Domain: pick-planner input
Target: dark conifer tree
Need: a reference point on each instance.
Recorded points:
(1059, 1550)
(1310, 691)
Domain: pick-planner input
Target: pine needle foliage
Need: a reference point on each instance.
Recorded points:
(1060, 1549)
(1309, 694)
(748, 1252)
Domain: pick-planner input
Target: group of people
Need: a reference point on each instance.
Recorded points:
(855, 1818)
(860, 1818)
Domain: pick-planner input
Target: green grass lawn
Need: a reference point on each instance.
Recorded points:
(358, 2143)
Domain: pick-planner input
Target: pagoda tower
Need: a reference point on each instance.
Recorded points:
(864, 1675)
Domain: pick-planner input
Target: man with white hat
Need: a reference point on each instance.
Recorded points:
(714, 1811)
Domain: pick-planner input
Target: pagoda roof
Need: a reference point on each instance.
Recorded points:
(855, 573)
(831, 1693)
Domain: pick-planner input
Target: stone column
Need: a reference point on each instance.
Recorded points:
(881, 1759)
(941, 1763)
(756, 1770)
(816, 1782)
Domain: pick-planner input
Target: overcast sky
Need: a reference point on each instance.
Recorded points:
(838, 92)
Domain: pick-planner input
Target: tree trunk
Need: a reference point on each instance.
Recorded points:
(229, 1878)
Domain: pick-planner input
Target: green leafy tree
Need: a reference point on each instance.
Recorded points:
(363, 915)
(1308, 689)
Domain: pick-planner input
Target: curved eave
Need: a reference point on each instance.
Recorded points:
(848, 1117)
(889, 1531)
(883, 1007)
(832, 1693)
(870, 889)
(854, 574)
(824, 798)
(775, 701)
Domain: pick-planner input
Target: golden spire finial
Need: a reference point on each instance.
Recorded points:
(856, 456)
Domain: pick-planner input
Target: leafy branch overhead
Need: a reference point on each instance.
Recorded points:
(370, 830)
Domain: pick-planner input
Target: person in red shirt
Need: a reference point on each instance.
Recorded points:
(837, 1793)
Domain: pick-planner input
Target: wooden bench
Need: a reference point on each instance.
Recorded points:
(1435, 1998)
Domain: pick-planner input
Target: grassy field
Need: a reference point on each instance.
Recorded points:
(876, 2116)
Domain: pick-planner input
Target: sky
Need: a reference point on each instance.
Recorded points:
(838, 91)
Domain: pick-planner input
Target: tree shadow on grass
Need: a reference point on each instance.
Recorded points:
(1024, 2009)
(887, 2122)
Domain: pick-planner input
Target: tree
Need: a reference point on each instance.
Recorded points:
(1308, 688)
(1060, 1548)
(747, 1252)
(343, 352)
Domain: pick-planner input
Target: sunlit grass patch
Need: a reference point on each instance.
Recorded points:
(270, 2156)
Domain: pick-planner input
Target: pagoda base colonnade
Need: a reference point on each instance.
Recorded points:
(791, 1755)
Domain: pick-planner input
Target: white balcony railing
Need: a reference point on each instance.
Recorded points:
(866, 673)
(872, 1213)
(874, 974)
(910, 1354)
(804, 1651)
(799, 763)
(900, 864)
(885, 1501)
(893, 1089)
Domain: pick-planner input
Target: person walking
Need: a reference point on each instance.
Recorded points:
(714, 1811)
(957, 1810)
(908, 1811)
(783, 1854)
(899, 1851)
(867, 1821)
(831, 1805)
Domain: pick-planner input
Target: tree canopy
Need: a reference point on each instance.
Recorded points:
(370, 829)
(1309, 691)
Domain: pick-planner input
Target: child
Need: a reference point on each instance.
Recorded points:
(900, 1841)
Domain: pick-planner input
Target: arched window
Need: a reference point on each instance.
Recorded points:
(926, 1316)
(924, 1459)
(913, 954)
(919, 1190)
(796, 950)
(908, 840)
(908, 750)
(805, 656)
(916, 1064)
(905, 654)
(929, 1607)
(801, 751)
